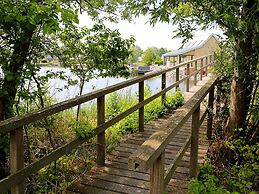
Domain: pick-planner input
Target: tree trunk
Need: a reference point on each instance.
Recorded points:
(246, 62)
(242, 83)
(239, 103)
(10, 85)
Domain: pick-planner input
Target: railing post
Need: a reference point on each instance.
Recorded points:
(210, 113)
(101, 136)
(16, 158)
(188, 80)
(201, 71)
(194, 142)
(141, 110)
(157, 175)
(195, 75)
(163, 87)
(206, 69)
(177, 76)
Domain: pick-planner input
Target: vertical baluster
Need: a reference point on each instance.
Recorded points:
(206, 69)
(194, 142)
(177, 76)
(16, 158)
(163, 87)
(141, 110)
(195, 76)
(188, 80)
(201, 71)
(101, 136)
(210, 114)
(157, 175)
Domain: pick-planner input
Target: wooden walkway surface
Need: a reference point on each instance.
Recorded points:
(115, 177)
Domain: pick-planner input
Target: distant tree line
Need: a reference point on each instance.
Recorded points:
(150, 56)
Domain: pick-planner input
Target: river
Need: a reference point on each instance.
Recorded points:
(98, 83)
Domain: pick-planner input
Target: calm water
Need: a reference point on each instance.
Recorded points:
(98, 83)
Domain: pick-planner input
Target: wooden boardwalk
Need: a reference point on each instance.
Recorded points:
(115, 177)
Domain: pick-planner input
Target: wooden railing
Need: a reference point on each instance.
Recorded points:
(14, 126)
(151, 154)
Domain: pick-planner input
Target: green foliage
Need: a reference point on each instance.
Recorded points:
(149, 57)
(152, 56)
(243, 175)
(223, 66)
(206, 183)
(136, 52)
(239, 177)
(159, 61)
(117, 103)
(162, 51)
(94, 52)
(83, 130)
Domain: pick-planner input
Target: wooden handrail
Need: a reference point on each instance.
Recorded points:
(150, 152)
(15, 124)
(155, 145)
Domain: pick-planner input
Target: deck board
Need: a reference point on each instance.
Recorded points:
(115, 177)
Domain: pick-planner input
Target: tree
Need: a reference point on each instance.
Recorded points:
(95, 52)
(136, 52)
(149, 56)
(238, 19)
(162, 51)
(152, 56)
(27, 32)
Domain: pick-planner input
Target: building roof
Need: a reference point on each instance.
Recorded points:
(193, 44)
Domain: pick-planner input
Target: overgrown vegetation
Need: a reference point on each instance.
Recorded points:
(233, 165)
(58, 175)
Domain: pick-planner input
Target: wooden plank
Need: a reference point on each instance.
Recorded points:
(157, 175)
(82, 189)
(141, 109)
(188, 80)
(201, 69)
(163, 86)
(142, 184)
(177, 76)
(177, 159)
(210, 115)
(112, 186)
(195, 75)
(194, 142)
(124, 173)
(150, 149)
(16, 158)
(101, 136)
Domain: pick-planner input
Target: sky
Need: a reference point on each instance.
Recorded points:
(147, 36)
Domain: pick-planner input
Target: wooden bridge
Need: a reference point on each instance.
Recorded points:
(161, 157)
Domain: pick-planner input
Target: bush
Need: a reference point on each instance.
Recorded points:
(206, 182)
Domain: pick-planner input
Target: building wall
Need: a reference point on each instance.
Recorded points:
(208, 48)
